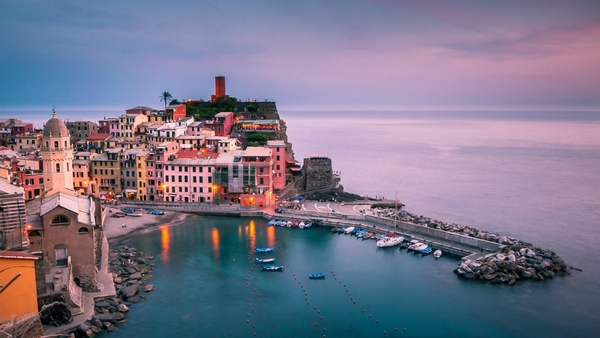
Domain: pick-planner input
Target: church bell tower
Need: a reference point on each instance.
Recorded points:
(57, 156)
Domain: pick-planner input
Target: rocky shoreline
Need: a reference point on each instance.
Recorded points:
(131, 269)
(517, 259)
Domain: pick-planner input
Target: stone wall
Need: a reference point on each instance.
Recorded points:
(317, 173)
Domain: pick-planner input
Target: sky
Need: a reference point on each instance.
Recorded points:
(309, 54)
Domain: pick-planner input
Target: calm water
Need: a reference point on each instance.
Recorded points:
(530, 175)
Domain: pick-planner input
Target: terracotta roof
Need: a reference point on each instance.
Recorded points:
(17, 255)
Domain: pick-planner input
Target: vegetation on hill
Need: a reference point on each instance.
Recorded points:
(208, 110)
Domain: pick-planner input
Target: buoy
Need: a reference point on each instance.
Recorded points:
(377, 321)
(260, 294)
(248, 321)
(255, 333)
(404, 329)
(321, 317)
(252, 309)
(383, 332)
(396, 328)
(369, 315)
(363, 311)
(315, 307)
(247, 315)
(324, 329)
(247, 299)
(319, 311)
(315, 324)
(253, 325)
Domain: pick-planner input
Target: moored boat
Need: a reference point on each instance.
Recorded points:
(389, 241)
(272, 222)
(271, 249)
(265, 260)
(412, 244)
(437, 254)
(426, 251)
(349, 230)
(316, 275)
(272, 267)
(419, 247)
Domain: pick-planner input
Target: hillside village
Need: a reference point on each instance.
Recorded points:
(57, 182)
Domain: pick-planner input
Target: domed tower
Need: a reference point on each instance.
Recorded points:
(57, 156)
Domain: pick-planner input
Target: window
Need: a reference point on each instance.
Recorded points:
(200, 178)
(60, 220)
(83, 231)
(278, 157)
(209, 189)
(185, 179)
(57, 167)
(179, 177)
(262, 180)
(193, 179)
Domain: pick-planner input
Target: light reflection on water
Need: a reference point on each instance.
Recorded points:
(164, 235)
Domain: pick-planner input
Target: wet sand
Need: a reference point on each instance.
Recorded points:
(118, 228)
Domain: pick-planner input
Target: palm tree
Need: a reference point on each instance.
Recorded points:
(165, 96)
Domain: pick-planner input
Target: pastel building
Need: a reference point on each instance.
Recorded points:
(222, 123)
(18, 294)
(175, 112)
(128, 125)
(279, 160)
(188, 178)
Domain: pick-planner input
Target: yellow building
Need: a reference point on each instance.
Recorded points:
(141, 178)
(106, 171)
(128, 125)
(18, 295)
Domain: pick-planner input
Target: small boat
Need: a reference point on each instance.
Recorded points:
(272, 222)
(265, 260)
(294, 224)
(341, 230)
(301, 225)
(426, 251)
(412, 244)
(265, 249)
(418, 248)
(272, 267)
(349, 230)
(316, 275)
(437, 254)
(289, 224)
(135, 214)
(392, 234)
(334, 230)
(308, 225)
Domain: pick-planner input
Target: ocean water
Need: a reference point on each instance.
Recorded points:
(531, 175)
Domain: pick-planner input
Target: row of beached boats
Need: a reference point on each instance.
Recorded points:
(290, 224)
(390, 240)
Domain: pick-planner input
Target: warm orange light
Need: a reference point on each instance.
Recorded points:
(271, 235)
(252, 233)
(164, 232)
(215, 241)
(28, 226)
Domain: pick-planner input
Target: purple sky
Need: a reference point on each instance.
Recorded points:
(379, 54)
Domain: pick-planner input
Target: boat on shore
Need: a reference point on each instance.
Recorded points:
(265, 260)
(437, 254)
(316, 275)
(135, 214)
(272, 267)
(265, 249)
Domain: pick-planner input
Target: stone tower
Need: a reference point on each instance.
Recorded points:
(57, 156)
(317, 173)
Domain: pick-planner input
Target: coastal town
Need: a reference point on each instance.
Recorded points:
(68, 187)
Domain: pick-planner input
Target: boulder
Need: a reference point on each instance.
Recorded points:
(83, 327)
(148, 287)
(129, 291)
(490, 276)
(96, 322)
(102, 304)
(109, 326)
(118, 280)
(96, 329)
(106, 317)
(123, 308)
(136, 299)
(526, 274)
(118, 316)
(136, 275)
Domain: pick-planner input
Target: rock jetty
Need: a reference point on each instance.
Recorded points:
(131, 269)
(517, 260)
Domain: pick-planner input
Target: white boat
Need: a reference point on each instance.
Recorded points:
(135, 214)
(301, 225)
(418, 248)
(349, 230)
(413, 245)
(390, 241)
(308, 225)
(289, 224)
(437, 254)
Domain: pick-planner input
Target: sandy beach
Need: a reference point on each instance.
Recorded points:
(118, 227)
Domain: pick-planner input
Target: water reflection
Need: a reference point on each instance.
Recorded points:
(252, 234)
(164, 235)
(215, 241)
(271, 236)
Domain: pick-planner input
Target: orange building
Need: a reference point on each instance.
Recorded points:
(18, 294)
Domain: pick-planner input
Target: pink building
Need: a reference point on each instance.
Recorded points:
(189, 177)
(278, 156)
(222, 123)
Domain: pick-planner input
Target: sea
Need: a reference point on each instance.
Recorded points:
(533, 175)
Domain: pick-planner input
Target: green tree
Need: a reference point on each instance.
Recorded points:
(175, 101)
(166, 97)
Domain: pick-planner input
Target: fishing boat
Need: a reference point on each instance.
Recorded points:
(316, 275)
(271, 249)
(349, 230)
(412, 244)
(265, 260)
(426, 251)
(437, 254)
(272, 267)
(389, 241)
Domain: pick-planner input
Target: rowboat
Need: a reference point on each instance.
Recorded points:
(437, 254)
(426, 251)
(265, 260)
(272, 267)
(265, 249)
(316, 275)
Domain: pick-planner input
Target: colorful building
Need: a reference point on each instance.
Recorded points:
(18, 294)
